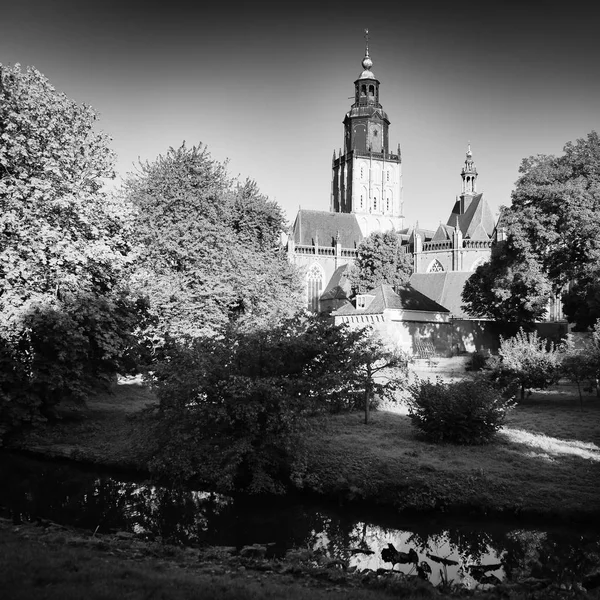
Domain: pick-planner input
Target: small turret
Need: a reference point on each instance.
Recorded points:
(469, 174)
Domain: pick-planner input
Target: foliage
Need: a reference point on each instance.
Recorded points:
(376, 370)
(230, 407)
(553, 240)
(581, 364)
(470, 411)
(477, 362)
(64, 319)
(530, 360)
(209, 253)
(581, 302)
(510, 287)
(380, 260)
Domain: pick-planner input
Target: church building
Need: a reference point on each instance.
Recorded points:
(366, 196)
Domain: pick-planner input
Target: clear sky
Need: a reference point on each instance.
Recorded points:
(267, 84)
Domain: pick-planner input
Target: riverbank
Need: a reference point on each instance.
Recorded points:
(544, 464)
(51, 561)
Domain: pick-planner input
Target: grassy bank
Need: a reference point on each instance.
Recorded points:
(545, 461)
(46, 560)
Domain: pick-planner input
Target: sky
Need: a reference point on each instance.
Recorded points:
(266, 85)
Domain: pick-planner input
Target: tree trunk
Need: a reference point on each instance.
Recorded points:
(522, 391)
(368, 393)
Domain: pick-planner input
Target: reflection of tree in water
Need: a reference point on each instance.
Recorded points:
(560, 557)
(37, 489)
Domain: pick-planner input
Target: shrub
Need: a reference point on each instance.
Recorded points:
(476, 362)
(530, 360)
(463, 412)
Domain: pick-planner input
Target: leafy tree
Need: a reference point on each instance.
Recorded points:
(231, 407)
(380, 260)
(378, 370)
(511, 287)
(579, 364)
(530, 360)
(209, 251)
(555, 208)
(64, 319)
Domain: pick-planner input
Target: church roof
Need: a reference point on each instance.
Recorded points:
(339, 287)
(443, 232)
(405, 297)
(477, 221)
(444, 287)
(312, 226)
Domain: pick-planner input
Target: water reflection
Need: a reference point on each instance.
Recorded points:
(464, 553)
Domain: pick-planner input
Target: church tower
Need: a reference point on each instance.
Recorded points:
(367, 177)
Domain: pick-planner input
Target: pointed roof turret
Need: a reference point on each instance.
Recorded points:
(469, 174)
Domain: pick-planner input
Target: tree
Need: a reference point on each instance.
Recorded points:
(511, 287)
(378, 370)
(529, 360)
(380, 259)
(208, 250)
(63, 247)
(555, 208)
(579, 364)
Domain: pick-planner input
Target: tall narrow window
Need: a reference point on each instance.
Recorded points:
(314, 287)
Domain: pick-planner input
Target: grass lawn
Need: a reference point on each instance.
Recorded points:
(545, 461)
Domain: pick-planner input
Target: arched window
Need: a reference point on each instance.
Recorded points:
(363, 90)
(435, 267)
(371, 90)
(314, 286)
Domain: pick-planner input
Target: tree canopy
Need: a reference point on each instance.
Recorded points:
(511, 286)
(380, 260)
(64, 318)
(208, 247)
(552, 238)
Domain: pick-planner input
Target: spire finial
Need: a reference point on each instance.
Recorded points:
(469, 153)
(367, 63)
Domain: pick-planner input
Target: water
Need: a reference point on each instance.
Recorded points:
(440, 548)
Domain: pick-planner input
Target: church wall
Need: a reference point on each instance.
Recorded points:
(425, 259)
(328, 264)
(472, 258)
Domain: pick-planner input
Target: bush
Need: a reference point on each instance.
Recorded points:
(463, 412)
(531, 361)
(476, 362)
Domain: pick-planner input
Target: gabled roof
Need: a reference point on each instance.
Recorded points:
(426, 234)
(404, 298)
(318, 226)
(443, 232)
(477, 220)
(339, 287)
(445, 288)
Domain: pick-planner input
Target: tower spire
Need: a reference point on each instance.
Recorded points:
(366, 63)
(469, 173)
